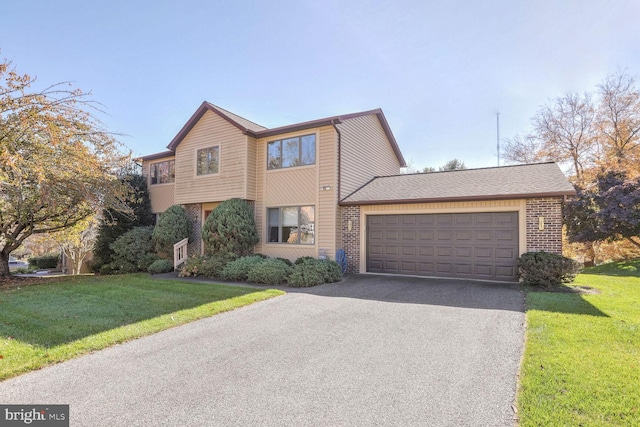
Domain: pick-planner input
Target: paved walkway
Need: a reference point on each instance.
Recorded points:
(371, 350)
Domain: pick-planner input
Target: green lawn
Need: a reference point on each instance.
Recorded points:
(581, 364)
(49, 323)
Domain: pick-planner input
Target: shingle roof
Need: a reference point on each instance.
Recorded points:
(507, 182)
(245, 123)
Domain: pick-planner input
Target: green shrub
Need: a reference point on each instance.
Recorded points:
(269, 272)
(45, 261)
(312, 272)
(286, 261)
(173, 226)
(545, 269)
(115, 223)
(303, 259)
(160, 266)
(192, 267)
(230, 229)
(133, 251)
(239, 269)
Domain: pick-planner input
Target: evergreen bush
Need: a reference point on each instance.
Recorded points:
(230, 229)
(160, 266)
(546, 270)
(239, 269)
(270, 272)
(173, 226)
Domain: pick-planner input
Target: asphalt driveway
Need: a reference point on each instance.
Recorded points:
(372, 350)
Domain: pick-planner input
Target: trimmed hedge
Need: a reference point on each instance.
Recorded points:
(312, 272)
(546, 270)
(269, 272)
(45, 261)
(160, 266)
(239, 269)
(209, 267)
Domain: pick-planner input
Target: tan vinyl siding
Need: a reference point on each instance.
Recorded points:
(162, 195)
(251, 192)
(231, 179)
(299, 186)
(291, 186)
(515, 205)
(366, 152)
(327, 210)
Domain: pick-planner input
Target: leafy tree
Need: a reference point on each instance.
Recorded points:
(608, 210)
(173, 226)
(115, 222)
(77, 242)
(57, 162)
(230, 229)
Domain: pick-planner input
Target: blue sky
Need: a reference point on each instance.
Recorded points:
(440, 70)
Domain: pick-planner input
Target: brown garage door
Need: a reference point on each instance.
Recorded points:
(470, 245)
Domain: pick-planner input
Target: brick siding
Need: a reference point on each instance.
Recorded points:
(351, 239)
(549, 239)
(194, 211)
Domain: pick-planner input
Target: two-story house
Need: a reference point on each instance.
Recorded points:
(334, 183)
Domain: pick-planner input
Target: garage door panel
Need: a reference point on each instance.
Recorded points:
(482, 252)
(483, 270)
(475, 245)
(504, 235)
(426, 235)
(463, 252)
(426, 251)
(463, 235)
(445, 268)
(409, 235)
(445, 235)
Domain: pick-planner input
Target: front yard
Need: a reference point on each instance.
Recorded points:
(581, 365)
(48, 323)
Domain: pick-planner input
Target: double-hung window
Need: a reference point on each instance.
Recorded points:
(295, 224)
(208, 160)
(290, 152)
(162, 172)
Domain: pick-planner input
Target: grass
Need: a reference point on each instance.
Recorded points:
(48, 323)
(581, 365)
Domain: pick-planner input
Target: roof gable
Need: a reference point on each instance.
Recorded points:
(244, 125)
(507, 182)
(255, 130)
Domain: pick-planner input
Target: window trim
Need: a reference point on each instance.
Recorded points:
(196, 174)
(151, 165)
(299, 137)
(280, 237)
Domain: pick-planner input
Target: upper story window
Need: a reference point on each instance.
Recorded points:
(290, 152)
(208, 160)
(162, 172)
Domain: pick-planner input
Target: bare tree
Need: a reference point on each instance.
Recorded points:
(619, 118)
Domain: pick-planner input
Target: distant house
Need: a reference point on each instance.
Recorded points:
(334, 183)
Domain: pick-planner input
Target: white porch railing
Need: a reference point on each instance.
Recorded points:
(180, 253)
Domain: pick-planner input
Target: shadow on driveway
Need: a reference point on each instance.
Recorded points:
(421, 290)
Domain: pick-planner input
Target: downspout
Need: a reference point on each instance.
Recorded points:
(334, 122)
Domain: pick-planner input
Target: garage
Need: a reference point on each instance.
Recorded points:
(471, 224)
(479, 245)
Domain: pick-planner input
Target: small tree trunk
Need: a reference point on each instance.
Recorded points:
(4, 265)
